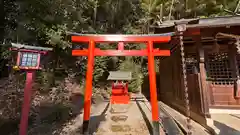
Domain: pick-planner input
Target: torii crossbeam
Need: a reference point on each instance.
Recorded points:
(150, 52)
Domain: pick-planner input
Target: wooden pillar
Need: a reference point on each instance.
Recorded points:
(88, 90)
(202, 76)
(26, 103)
(121, 46)
(153, 89)
(234, 66)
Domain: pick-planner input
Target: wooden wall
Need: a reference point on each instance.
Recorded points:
(171, 89)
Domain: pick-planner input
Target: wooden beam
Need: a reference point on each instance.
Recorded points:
(98, 52)
(228, 35)
(207, 39)
(165, 37)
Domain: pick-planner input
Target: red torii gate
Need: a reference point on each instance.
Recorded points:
(121, 39)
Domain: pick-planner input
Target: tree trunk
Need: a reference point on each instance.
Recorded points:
(54, 66)
(2, 20)
(95, 13)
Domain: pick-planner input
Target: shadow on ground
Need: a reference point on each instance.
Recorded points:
(236, 116)
(149, 126)
(95, 122)
(51, 118)
(225, 130)
(61, 115)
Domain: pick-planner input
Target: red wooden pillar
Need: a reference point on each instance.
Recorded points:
(121, 46)
(88, 90)
(153, 89)
(26, 103)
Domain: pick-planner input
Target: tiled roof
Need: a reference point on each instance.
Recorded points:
(119, 75)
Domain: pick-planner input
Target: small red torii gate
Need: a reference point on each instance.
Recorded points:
(121, 39)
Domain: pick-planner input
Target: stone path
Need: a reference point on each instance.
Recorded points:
(122, 120)
(130, 119)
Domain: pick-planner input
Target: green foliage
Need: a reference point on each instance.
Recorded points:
(45, 23)
(210, 8)
(5, 53)
(130, 66)
(55, 36)
(100, 68)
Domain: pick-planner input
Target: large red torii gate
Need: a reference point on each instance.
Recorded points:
(121, 39)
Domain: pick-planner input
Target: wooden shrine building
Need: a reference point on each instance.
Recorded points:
(213, 66)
